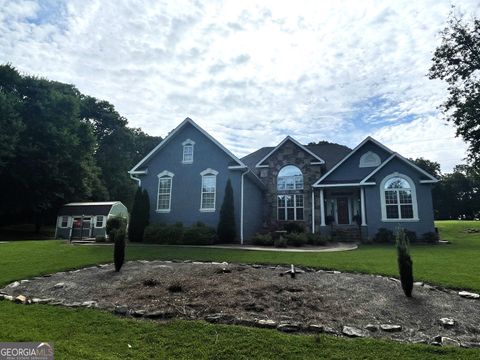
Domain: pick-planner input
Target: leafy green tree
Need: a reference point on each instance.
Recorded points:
(226, 226)
(431, 167)
(457, 62)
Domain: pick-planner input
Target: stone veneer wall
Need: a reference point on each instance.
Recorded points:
(290, 154)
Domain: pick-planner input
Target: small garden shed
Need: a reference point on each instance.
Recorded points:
(85, 220)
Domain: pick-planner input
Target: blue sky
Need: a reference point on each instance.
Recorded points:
(250, 72)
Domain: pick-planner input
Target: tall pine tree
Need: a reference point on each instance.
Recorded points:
(226, 226)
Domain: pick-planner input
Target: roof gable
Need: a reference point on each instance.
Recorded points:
(289, 138)
(237, 163)
(359, 172)
(430, 178)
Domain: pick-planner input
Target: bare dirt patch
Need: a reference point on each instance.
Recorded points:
(258, 295)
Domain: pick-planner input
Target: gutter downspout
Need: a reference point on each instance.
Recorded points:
(136, 179)
(241, 206)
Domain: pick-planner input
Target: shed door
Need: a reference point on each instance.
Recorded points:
(82, 228)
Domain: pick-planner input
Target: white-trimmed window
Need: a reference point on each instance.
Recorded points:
(290, 207)
(63, 221)
(209, 190)
(187, 157)
(369, 159)
(99, 221)
(290, 178)
(399, 200)
(164, 198)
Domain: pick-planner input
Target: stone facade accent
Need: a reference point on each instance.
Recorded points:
(290, 154)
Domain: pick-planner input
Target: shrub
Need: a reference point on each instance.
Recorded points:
(404, 263)
(119, 248)
(281, 242)
(262, 240)
(411, 236)
(384, 236)
(430, 237)
(100, 239)
(164, 234)
(293, 227)
(115, 223)
(199, 234)
(296, 239)
(226, 225)
(317, 239)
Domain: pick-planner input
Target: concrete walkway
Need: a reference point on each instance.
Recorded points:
(334, 247)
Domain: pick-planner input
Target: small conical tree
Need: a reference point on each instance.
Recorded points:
(226, 226)
(135, 232)
(405, 265)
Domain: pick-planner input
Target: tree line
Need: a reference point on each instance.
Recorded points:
(58, 145)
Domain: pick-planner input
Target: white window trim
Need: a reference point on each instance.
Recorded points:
(162, 175)
(214, 173)
(103, 221)
(364, 162)
(295, 207)
(414, 199)
(191, 143)
(60, 221)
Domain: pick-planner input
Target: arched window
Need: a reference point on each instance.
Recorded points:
(290, 194)
(290, 178)
(164, 196)
(399, 201)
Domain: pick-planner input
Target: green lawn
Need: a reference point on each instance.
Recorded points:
(93, 334)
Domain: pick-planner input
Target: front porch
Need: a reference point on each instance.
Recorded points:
(341, 212)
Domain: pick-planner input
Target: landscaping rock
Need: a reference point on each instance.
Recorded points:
(447, 322)
(371, 327)
(469, 295)
(470, 345)
(288, 328)
(21, 299)
(159, 314)
(24, 281)
(394, 279)
(8, 297)
(121, 310)
(59, 285)
(418, 283)
(89, 304)
(316, 328)
(351, 331)
(446, 341)
(219, 318)
(266, 323)
(14, 284)
(138, 313)
(391, 328)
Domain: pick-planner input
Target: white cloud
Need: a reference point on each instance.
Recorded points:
(250, 74)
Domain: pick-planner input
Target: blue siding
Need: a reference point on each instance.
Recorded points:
(253, 208)
(350, 171)
(424, 201)
(186, 183)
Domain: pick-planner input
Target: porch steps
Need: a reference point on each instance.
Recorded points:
(350, 233)
(83, 241)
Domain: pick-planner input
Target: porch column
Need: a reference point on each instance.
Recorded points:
(313, 211)
(322, 209)
(362, 202)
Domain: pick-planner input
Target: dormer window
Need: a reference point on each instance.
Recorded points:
(188, 151)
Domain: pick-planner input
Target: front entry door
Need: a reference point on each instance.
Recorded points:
(342, 211)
